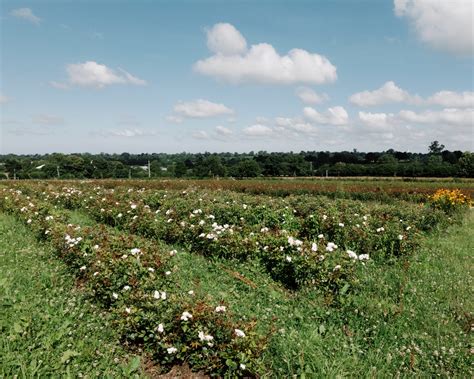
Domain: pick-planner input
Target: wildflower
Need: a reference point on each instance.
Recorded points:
(239, 333)
(400, 237)
(168, 273)
(331, 246)
(126, 288)
(320, 236)
(125, 256)
(133, 206)
(191, 292)
(337, 267)
(96, 247)
(288, 258)
(220, 309)
(314, 246)
(151, 269)
(325, 217)
(341, 224)
(28, 221)
(364, 257)
(264, 229)
(82, 268)
(186, 316)
(128, 310)
(242, 366)
(115, 295)
(381, 229)
(351, 254)
(135, 251)
(173, 252)
(96, 273)
(205, 337)
(171, 350)
(160, 328)
(119, 215)
(201, 223)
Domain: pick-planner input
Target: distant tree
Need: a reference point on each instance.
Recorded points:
(248, 168)
(435, 148)
(466, 164)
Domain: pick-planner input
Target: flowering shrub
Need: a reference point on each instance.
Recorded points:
(132, 278)
(449, 200)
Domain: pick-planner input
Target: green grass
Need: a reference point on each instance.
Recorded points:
(409, 318)
(47, 327)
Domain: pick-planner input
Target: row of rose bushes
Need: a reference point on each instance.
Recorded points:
(132, 277)
(300, 240)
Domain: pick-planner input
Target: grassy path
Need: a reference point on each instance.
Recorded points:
(47, 327)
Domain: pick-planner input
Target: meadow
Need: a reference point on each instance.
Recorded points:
(251, 278)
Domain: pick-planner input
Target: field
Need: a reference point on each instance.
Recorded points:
(270, 278)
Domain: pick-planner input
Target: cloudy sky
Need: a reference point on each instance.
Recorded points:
(173, 76)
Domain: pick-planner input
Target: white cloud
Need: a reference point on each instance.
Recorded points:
(381, 121)
(443, 118)
(388, 93)
(452, 99)
(294, 124)
(225, 39)
(309, 96)
(257, 130)
(445, 25)
(391, 93)
(449, 116)
(200, 109)
(261, 63)
(223, 131)
(333, 116)
(93, 74)
(26, 14)
(47, 120)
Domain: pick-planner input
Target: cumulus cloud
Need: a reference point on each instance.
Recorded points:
(200, 109)
(377, 121)
(257, 130)
(445, 117)
(390, 93)
(225, 39)
(235, 63)
(26, 14)
(449, 116)
(452, 99)
(309, 96)
(444, 25)
(93, 74)
(223, 131)
(333, 116)
(294, 124)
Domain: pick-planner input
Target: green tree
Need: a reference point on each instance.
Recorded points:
(435, 148)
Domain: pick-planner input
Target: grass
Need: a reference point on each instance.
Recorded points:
(410, 318)
(47, 327)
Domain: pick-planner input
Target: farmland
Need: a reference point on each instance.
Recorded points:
(267, 278)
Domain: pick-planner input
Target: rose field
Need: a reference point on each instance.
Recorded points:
(256, 278)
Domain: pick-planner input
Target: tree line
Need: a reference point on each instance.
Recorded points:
(437, 162)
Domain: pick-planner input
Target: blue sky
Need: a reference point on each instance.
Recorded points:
(172, 76)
